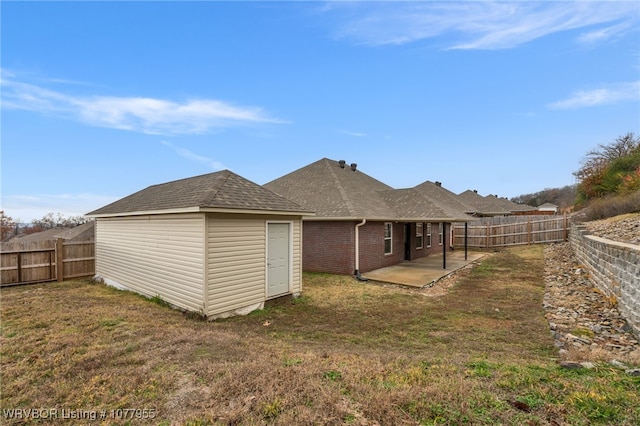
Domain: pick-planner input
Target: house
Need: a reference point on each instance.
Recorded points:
(513, 208)
(46, 239)
(360, 223)
(548, 208)
(445, 197)
(481, 206)
(216, 244)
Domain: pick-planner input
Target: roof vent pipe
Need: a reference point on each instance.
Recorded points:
(354, 166)
(342, 163)
(438, 183)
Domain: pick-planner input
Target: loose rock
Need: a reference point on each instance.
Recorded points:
(581, 319)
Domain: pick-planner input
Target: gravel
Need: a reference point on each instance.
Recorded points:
(585, 323)
(624, 228)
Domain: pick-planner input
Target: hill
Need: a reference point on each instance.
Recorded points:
(563, 197)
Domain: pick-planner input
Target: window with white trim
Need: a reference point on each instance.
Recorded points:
(428, 235)
(440, 233)
(388, 238)
(419, 240)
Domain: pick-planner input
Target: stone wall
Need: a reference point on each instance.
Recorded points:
(614, 268)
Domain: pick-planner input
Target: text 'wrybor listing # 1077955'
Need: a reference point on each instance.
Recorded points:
(78, 414)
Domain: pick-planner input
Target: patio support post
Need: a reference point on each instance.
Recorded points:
(466, 229)
(444, 245)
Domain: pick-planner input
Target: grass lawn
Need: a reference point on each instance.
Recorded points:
(344, 353)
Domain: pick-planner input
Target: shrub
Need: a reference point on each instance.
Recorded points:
(610, 206)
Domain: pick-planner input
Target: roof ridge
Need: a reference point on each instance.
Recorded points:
(211, 194)
(341, 189)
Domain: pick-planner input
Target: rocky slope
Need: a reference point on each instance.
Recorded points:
(624, 228)
(585, 323)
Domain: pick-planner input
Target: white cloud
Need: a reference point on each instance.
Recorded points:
(604, 34)
(356, 134)
(478, 25)
(616, 93)
(185, 153)
(138, 114)
(29, 207)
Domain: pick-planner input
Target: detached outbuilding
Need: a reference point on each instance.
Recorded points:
(216, 244)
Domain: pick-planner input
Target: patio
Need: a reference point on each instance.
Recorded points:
(424, 271)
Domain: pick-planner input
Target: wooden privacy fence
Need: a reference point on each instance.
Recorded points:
(511, 231)
(55, 260)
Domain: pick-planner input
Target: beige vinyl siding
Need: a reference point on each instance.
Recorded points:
(236, 261)
(296, 285)
(155, 255)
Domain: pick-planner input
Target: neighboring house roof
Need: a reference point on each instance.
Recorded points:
(80, 232)
(338, 191)
(217, 191)
(509, 205)
(482, 205)
(548, 206)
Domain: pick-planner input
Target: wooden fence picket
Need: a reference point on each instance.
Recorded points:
(46, 261)
(512, 230)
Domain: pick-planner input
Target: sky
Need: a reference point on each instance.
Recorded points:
(102, 99)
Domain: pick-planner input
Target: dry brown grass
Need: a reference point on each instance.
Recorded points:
(343, 353)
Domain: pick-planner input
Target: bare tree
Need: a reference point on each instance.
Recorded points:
(7, 226)
(621, 147)
(594, 166)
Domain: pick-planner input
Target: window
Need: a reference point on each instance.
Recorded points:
(440, 233)
(388, 238)
(418, 235)
(428, 235)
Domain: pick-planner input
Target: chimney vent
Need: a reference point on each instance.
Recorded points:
(354, 166)
(475, 191)
(342, 163)
(438, 183)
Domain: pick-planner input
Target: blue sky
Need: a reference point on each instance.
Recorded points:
(102, 99)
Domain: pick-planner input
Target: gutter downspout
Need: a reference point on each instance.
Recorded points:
(357, 238)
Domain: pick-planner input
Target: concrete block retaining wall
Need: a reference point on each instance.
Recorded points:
(614, 269)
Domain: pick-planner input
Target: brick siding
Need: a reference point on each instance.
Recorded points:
(328, 246)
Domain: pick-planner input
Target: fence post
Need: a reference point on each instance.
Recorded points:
(59, 260)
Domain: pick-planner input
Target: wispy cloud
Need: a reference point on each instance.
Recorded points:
(615, 93)
(604, 34)
(138, 114)
(473, 24)
(185, 153)
(29, 207)
(350, 133)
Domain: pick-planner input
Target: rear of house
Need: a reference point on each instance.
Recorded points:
(215, 244)
(361, 224)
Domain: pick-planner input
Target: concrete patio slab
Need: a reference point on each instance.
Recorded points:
(424, 271)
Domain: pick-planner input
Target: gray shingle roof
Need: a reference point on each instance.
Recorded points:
(336, 192)
(413, 203)
(220, 190)
(443, 196)
(508, 204)
(332, 191)
(481, 205)
(80, 232)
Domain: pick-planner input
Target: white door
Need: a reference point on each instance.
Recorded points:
(278, 258)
